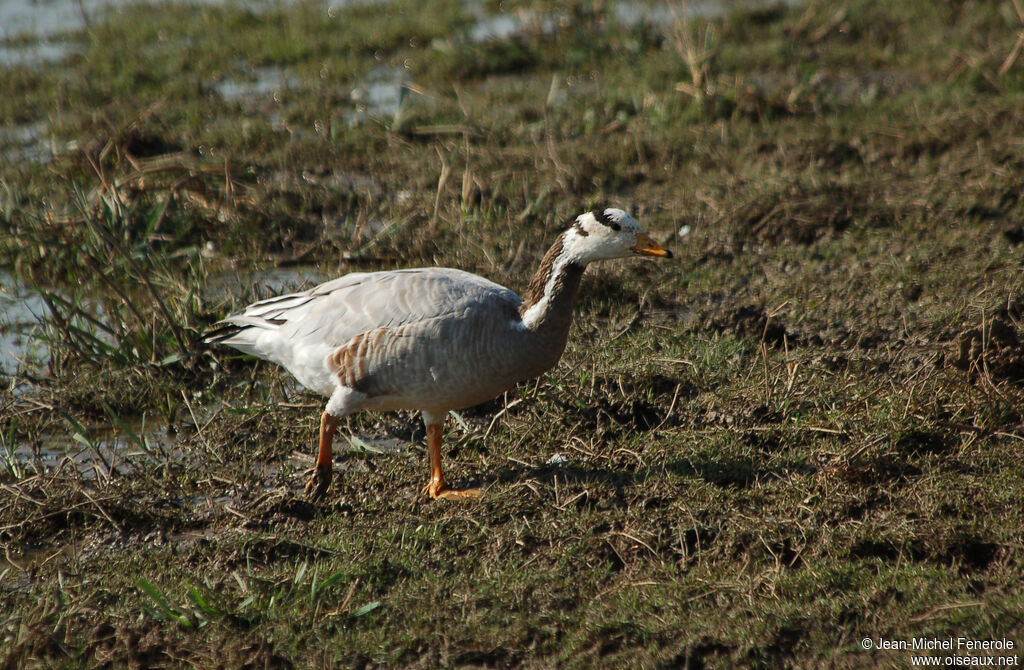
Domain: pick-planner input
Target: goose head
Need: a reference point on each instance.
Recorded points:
(604, 233)
(607, 233)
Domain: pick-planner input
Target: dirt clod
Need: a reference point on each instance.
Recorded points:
(993, 350)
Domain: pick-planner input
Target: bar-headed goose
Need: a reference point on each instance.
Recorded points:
(432, 339)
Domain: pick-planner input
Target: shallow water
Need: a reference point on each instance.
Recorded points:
(662, 13)
(504, 26)
(260, 82)
(91, 453)
(101, 451)
(49, 21)
(35, 53)
(22, 313)
(380, 94)
(29, 142)
(24, 318)
(45, 18)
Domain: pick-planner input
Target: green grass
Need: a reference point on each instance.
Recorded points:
(804, 431)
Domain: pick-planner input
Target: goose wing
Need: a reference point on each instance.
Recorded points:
(331, 314)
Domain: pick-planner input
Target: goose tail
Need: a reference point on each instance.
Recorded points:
(242, 330)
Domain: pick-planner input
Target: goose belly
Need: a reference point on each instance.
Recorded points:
(458, 364)
(454, 385)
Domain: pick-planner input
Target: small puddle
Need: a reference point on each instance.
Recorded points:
(256, 83)
(24, 317)
(41, 52)
(22, 314)
(630, 14)
(49, 18)
(379, 94)
(363, 443)
(46, 21)
(26, 143)
(505, 26)
(93, 453)
(17, 568)
(45, 18)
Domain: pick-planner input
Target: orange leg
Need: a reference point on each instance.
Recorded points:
(318, 484)
(435, 488)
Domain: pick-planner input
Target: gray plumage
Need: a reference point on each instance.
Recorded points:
(432, 338)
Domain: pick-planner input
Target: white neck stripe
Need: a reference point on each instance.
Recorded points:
(532, 316)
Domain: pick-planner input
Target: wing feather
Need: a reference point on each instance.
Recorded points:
(332, 313)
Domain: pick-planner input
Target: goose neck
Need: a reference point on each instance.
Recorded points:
(549, 299)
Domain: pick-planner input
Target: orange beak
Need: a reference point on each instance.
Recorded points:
(645, 246)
